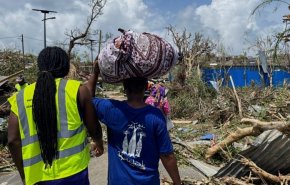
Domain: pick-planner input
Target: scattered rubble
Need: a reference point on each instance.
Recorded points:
(266, 159)
(6, 163)
(263, 110)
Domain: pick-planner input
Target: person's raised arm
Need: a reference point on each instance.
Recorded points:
(14, 144)
(170, 164)
(90, 119)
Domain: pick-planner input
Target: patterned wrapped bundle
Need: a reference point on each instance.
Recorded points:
(136, 55)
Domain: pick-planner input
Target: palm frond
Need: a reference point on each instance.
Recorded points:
(280, 38)
(266, 2)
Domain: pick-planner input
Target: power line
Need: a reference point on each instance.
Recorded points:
(9, 37)
(40, 40)
(33, 38)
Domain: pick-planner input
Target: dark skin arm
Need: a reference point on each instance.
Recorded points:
(90, 119)
(91, 87)
(170, 164)
(14, 143)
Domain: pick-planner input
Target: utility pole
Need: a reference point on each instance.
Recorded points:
(44, 20)
(92, 57)
(22, 42)
(100, 41)
(108, 35)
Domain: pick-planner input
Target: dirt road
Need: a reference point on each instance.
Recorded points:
(97, 173)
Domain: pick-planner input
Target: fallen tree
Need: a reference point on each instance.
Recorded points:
(281, 179)
(257, 128)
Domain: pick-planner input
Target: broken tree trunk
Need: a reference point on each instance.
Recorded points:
(257, 128)
(234, 181)
(235, 136)
(282, 126)
(261, 173)
(181, 121)
(11, 76)
(237, 97)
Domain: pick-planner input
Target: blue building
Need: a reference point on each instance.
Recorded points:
(246, 75)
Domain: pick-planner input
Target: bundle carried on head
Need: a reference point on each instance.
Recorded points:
(136, 55)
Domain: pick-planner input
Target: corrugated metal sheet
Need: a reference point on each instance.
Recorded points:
(271, 152)
(204, 168)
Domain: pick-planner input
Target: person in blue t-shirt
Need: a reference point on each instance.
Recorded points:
(137, 136)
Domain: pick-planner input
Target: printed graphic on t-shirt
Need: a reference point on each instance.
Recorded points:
(132, 147)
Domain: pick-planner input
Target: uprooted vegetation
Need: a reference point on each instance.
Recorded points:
(205, 110)
(12, 61)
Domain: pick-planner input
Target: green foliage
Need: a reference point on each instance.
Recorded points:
(113, 87)
(185, 101)
(31, 73)
(12, 61)
(183, 105)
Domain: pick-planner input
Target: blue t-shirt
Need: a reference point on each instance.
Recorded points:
(136, 139)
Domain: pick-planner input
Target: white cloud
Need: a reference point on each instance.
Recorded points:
(230, 19)
(223, 20)
(127, 14)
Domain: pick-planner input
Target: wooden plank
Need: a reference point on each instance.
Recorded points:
(181, 121)
(11, 76)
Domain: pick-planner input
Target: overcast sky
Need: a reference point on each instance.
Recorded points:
(225, 21)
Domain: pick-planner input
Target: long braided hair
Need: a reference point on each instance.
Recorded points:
(53, 62)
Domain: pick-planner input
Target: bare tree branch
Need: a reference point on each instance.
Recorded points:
(77, 35)
(192, 48)
(262, 173)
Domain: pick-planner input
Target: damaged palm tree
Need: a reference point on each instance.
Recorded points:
(281, 39)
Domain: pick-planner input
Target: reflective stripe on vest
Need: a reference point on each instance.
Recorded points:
(61, 154)
(63, 133)
(19, 87)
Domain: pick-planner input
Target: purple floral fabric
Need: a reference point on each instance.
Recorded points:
(136, 55)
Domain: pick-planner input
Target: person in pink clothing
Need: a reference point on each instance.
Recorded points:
(158, 99)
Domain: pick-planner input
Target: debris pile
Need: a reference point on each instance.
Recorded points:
(6, 163)
(233, 120)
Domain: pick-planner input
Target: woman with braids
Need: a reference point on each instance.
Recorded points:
(47, 126)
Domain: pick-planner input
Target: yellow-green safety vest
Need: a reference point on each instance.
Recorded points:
(19, 87)
(73, 149)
